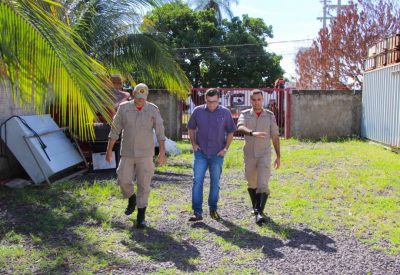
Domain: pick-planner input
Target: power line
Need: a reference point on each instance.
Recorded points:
(230, 57)
(243, 45)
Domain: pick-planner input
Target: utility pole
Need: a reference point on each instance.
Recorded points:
(326, 8)
(328, 77)
(324, 13)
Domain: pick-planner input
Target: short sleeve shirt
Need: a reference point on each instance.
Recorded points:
(211, 128)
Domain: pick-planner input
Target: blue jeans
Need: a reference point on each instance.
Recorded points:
(202, 162)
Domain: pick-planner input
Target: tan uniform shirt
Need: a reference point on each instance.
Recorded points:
(257, 147)
(137, 129)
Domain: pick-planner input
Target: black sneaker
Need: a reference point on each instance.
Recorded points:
(196, 217)
(214, 215)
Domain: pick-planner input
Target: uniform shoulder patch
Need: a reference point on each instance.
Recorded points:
(269, 112)
(125, 102)
(152, 105)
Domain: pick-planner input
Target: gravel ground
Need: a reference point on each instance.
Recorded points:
(304, 252)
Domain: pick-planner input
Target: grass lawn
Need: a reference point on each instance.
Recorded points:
(79, 226)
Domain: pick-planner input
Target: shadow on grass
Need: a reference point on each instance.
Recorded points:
(160, 246)
(98, 175)
(305, 239)
(300, 239)
(159, 177)
(244, 238)
(172, 177)
(46, 219)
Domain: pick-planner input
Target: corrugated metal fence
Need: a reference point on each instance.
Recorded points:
(381, 105)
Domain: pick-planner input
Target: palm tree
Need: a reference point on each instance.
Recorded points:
(111, 34)
(42, 65)
(50, 53)
(219, 6)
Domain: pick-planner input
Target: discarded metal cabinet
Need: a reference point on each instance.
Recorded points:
(44, 150)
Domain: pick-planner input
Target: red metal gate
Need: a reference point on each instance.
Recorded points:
(237, 100)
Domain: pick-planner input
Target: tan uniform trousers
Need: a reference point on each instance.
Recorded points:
(143, 169)
(258, 172)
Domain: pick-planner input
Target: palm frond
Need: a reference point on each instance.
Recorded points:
(144, 59)
(220, 7)
(110, 31)
(45, 66)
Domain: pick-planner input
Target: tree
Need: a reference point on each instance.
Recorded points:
(243, 60)
(219, 7)
(49, 63)
(110, 33)
(43, 65)
(336, 58)
(229, 54)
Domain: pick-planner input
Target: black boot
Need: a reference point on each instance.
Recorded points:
(140, 220)
(131, 205)
(261, 201)
(252, 193)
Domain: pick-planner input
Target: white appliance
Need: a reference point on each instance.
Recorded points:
(44, 153)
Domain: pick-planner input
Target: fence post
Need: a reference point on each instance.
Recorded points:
(288, 113)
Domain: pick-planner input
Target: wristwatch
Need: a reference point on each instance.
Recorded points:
(251, 133)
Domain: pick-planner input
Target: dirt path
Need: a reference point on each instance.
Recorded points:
(226, 246)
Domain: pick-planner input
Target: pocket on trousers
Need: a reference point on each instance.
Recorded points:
(124, 170)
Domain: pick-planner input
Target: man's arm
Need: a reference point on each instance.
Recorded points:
(192, 126)
(116, 128)
(161, 159)
(160, 134)
(192, 137)
(110, 146)
(243, 129)
(229, 139)
(246, 131)
(249, 132)
(276, 143)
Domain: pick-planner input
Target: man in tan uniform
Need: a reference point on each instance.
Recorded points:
(259, 127)
(136, 119)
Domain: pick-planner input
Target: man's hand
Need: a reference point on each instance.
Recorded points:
(195, 147)
(109, 156)
(277, 163)
(222, 153)
(161, 158)
(260, 134)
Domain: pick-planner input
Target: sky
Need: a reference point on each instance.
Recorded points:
(290, 20)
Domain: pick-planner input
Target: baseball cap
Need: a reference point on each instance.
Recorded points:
(141, 90)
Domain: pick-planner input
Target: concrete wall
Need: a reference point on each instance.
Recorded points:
(9, 166)
(316, 114)
(169, 109)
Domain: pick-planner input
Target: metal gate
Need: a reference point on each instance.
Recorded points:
(237, 100)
